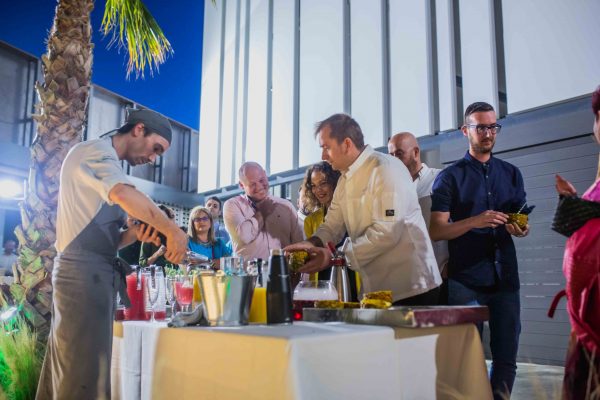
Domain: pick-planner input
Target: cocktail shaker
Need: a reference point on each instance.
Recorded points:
(279, 290)
(339, 274)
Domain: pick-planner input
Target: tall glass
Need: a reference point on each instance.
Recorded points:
(307, 292)
(184, 291)
(232, 265)
(155, 293)
(170, 282)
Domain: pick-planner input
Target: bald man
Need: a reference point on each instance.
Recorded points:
(404, 146)
(257, 221)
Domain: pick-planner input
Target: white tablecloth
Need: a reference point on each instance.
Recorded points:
(300, 361)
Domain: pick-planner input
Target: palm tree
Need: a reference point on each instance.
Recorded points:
(61, 117)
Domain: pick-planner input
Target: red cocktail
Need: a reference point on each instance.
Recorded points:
(184, 291)
(135, 292)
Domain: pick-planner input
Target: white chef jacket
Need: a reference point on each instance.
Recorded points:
(375, 201)
(424, 186)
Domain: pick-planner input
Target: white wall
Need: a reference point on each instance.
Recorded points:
(209, 102)
(282, 116)
(440, 60)
(321, 70)
(366, 103)
(552, 50)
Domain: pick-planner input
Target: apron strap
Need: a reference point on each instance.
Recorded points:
(122, 269)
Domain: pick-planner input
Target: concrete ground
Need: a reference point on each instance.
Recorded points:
(537, 382)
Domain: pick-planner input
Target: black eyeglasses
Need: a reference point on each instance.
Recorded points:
(198, 219)
(482, 129)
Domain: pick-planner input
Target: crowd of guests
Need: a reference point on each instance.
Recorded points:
(432, 236)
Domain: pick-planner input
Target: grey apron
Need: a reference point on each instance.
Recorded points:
(85, 280)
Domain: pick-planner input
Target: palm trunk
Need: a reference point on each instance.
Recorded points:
(61, 116)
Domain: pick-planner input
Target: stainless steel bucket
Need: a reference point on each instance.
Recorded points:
(226, 298)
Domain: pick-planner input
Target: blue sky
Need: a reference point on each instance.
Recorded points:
(174, 91)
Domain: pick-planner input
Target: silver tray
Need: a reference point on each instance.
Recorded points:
(406, 317)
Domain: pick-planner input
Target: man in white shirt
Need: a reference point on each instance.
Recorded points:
(404, 146)
(257, 221)
(376, 203)
(8, 258)
(94, 200)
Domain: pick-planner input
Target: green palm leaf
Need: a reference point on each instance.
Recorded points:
(134, 28)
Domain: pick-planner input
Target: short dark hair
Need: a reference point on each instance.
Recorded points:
(167, 211)
(215, 198)
(342, 126)
(478, 106)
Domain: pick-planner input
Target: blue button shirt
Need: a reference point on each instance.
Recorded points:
(485, 257)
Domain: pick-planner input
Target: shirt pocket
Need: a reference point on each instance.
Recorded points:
(360, 211)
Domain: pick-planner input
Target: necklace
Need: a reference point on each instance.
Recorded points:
(203, 243)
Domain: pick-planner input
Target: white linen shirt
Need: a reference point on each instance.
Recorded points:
(90, 170)
(376, 203)
(424, 186)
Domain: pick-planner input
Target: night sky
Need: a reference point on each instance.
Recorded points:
(174, 91)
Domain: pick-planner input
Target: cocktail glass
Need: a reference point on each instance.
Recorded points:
(170, 282)
(307, 292)
(184, 291)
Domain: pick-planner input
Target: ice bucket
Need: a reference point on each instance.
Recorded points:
(226, 298)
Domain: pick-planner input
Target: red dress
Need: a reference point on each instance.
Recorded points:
(581, 267)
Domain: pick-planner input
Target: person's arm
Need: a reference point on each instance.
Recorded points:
(442, 229)
(157, 254)
(246, 229)
(139, 206)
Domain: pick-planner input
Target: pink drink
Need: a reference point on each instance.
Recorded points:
(184, 294)
(137, 310)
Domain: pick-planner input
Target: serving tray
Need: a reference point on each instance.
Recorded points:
(406, 317)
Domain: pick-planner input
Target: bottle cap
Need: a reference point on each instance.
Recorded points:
(276, 252)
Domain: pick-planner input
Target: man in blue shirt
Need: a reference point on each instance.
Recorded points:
(214, 205)
(470, 202)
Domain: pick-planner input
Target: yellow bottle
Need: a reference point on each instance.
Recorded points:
(197, 299)
(258, 309)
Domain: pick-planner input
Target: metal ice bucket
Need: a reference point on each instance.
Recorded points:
(226, 298)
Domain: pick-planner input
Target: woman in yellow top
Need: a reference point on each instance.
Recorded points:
(318, 186)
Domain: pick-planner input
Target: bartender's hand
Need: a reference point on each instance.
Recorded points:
(564, 187)
(318, 257)
(489, 219)
(177, 242)
(514, 230)
(143, 232)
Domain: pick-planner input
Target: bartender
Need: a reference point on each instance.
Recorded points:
(95, 197)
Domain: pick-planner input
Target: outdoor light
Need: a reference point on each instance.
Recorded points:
(8, 314)
(11, 189)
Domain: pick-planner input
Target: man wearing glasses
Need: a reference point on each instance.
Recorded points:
(470, 202)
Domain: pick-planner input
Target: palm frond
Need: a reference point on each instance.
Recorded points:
(134, 28)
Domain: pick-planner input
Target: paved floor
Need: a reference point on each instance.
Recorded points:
(537, 382)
